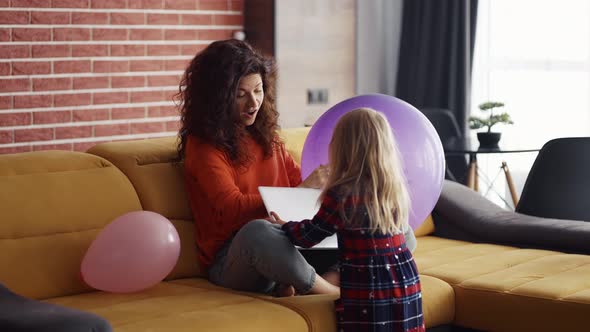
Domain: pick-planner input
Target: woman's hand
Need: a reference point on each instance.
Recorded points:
(317, 179)
(275, 219)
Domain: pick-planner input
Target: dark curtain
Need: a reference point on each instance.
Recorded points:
(435, 56)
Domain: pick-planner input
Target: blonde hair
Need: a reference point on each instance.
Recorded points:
(365, 163)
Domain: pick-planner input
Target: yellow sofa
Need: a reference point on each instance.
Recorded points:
(54, 203)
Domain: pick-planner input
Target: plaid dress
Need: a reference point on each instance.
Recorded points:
(379, 282)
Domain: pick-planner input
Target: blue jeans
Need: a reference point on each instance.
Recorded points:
(259, 256)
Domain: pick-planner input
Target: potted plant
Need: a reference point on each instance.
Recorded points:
(488, 138)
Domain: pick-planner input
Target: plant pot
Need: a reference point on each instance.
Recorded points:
(488, 140)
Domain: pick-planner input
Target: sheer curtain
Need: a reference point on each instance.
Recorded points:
(378, 29)
(535, 57)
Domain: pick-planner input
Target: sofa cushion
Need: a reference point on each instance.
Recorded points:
(294, 139)
(426, 228)
(176, 307)
(187, 265)
(529, 289)
(149, 165)
(18, 313)
(53, 205)
(318, 310)
(159, 182)
(438, 305)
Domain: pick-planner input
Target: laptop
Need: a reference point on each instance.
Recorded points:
(295, 204)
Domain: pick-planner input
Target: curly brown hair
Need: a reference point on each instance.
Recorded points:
(207, 100)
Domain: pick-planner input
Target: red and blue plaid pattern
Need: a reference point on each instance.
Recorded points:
(380, 287)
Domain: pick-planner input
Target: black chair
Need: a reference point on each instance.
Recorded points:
(448, 130)
(558, 185)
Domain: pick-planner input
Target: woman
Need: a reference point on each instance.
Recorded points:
(230, 146)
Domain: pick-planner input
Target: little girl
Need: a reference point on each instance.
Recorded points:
(365, 201)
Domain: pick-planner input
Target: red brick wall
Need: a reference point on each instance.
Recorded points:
(77, 72)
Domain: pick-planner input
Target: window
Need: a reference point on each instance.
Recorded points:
(535, 57)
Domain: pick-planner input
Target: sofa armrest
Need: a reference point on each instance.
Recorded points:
(464, 214)
(18, 313)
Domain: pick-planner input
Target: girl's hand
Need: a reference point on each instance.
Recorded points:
(275, 219)
(317, 179)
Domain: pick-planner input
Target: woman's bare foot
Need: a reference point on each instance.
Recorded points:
(332, 277)
(321, 286)
(283, 290)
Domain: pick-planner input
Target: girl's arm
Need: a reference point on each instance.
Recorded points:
(317, 178)
(308, 233)
(411, 242)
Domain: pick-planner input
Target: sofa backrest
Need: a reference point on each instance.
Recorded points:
(52, 206)
(294, 139)
(149, 165)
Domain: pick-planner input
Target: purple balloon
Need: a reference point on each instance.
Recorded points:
(418, 142)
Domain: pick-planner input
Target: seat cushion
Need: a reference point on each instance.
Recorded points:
(177, 307)
(318, 310)
(503, 288)
(18, 313)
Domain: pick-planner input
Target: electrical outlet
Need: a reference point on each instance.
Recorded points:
(317, 96)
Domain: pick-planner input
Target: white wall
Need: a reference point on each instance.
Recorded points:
(315, 48)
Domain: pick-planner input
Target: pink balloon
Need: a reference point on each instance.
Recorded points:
(135, 251)
(419, 144)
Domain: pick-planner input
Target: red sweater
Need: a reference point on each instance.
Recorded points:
(223, 198)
